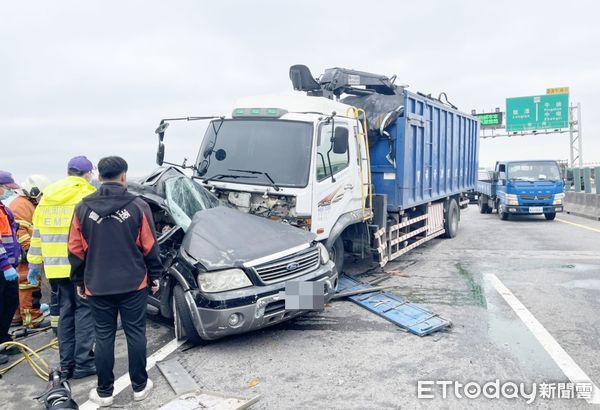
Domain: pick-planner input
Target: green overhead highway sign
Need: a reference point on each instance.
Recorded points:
(538, 112)
(490, 120)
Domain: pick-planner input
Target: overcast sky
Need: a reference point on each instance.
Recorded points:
(95, 77)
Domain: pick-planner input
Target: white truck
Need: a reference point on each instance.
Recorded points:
(378, 172)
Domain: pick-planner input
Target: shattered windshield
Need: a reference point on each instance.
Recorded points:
(185, 197)
(533, 171)
(277, 148)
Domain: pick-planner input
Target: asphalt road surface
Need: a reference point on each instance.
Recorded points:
(523, 297)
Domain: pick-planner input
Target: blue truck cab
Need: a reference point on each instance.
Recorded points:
(522, 188)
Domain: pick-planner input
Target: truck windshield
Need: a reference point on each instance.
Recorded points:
(277, 148)
(533, 171)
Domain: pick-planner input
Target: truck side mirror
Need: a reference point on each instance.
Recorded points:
(160, 153)
(501, 175)
(340, 140)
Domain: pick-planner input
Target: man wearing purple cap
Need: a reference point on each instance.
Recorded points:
(7, 186)
(51, 224)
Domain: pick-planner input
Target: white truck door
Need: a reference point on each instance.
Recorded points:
(337, 184)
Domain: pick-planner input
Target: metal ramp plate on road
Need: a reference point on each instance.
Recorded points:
(408, 316)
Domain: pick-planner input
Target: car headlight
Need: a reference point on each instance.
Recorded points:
(324, 253)
(558, 198)
(512, 199)
(223, 280)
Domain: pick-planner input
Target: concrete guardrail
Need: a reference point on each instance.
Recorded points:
(583, 204)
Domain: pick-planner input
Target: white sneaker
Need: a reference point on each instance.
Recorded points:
(141, 395)
(100, 401)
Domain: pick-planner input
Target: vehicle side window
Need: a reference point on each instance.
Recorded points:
(339, 161)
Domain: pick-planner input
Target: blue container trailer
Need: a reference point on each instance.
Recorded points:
(435, 151)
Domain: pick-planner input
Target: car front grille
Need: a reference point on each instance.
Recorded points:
(535, 197)
(289, 267)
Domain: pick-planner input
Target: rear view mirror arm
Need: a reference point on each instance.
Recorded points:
(162, 126)
(160, 131)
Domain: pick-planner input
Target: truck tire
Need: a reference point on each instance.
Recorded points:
(550, 216)
(336, 254)
(451, 217)
(502, 215)
(483, 205)
(182, 319)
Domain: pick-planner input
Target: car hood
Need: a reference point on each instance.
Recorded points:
(222, 237)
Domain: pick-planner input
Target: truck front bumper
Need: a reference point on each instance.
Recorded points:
(269, 308)
(532, 210)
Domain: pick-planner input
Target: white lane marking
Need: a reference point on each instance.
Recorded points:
(579, 225)
(558, 354)
(122, 382)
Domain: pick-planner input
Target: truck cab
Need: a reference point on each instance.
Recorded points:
(528, 188)
(296, 159)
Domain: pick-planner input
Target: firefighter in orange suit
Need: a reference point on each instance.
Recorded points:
(30, 312)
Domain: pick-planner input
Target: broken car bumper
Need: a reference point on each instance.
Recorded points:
(232, 314)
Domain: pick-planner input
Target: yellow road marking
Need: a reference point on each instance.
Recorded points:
(579, 225)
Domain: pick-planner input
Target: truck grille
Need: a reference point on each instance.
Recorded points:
(289, 267)
(535, 197)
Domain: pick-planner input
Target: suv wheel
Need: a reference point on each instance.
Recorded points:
(182, 319)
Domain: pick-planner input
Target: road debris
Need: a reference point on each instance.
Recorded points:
(253, 382)
(179, 379)
(190, 397)
(209, 400)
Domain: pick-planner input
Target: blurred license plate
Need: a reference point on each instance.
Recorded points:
(536, 209)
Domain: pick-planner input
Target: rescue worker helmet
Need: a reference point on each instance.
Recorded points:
(34, 185)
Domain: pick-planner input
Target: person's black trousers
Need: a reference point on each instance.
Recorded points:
(9, 300)
(75, 330)
(132, 308)
(54, 307)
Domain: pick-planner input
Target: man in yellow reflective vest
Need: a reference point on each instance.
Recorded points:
(51, 224)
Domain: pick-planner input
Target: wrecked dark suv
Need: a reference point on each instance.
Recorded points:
(225, 270)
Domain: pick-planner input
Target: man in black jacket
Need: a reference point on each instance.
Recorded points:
(114, 255)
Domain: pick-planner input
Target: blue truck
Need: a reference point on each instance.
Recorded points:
(522, 188)
(366, 165)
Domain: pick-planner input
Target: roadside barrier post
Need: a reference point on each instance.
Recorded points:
(587, 182)
(568, 182)
(577, 179)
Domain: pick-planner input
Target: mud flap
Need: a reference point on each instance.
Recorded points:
(409, 316)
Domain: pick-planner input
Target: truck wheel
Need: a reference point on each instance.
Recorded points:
(483, 205)
(336, 254)
(182, 319)
(550, 216)
(451, 217)
(502, 215)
